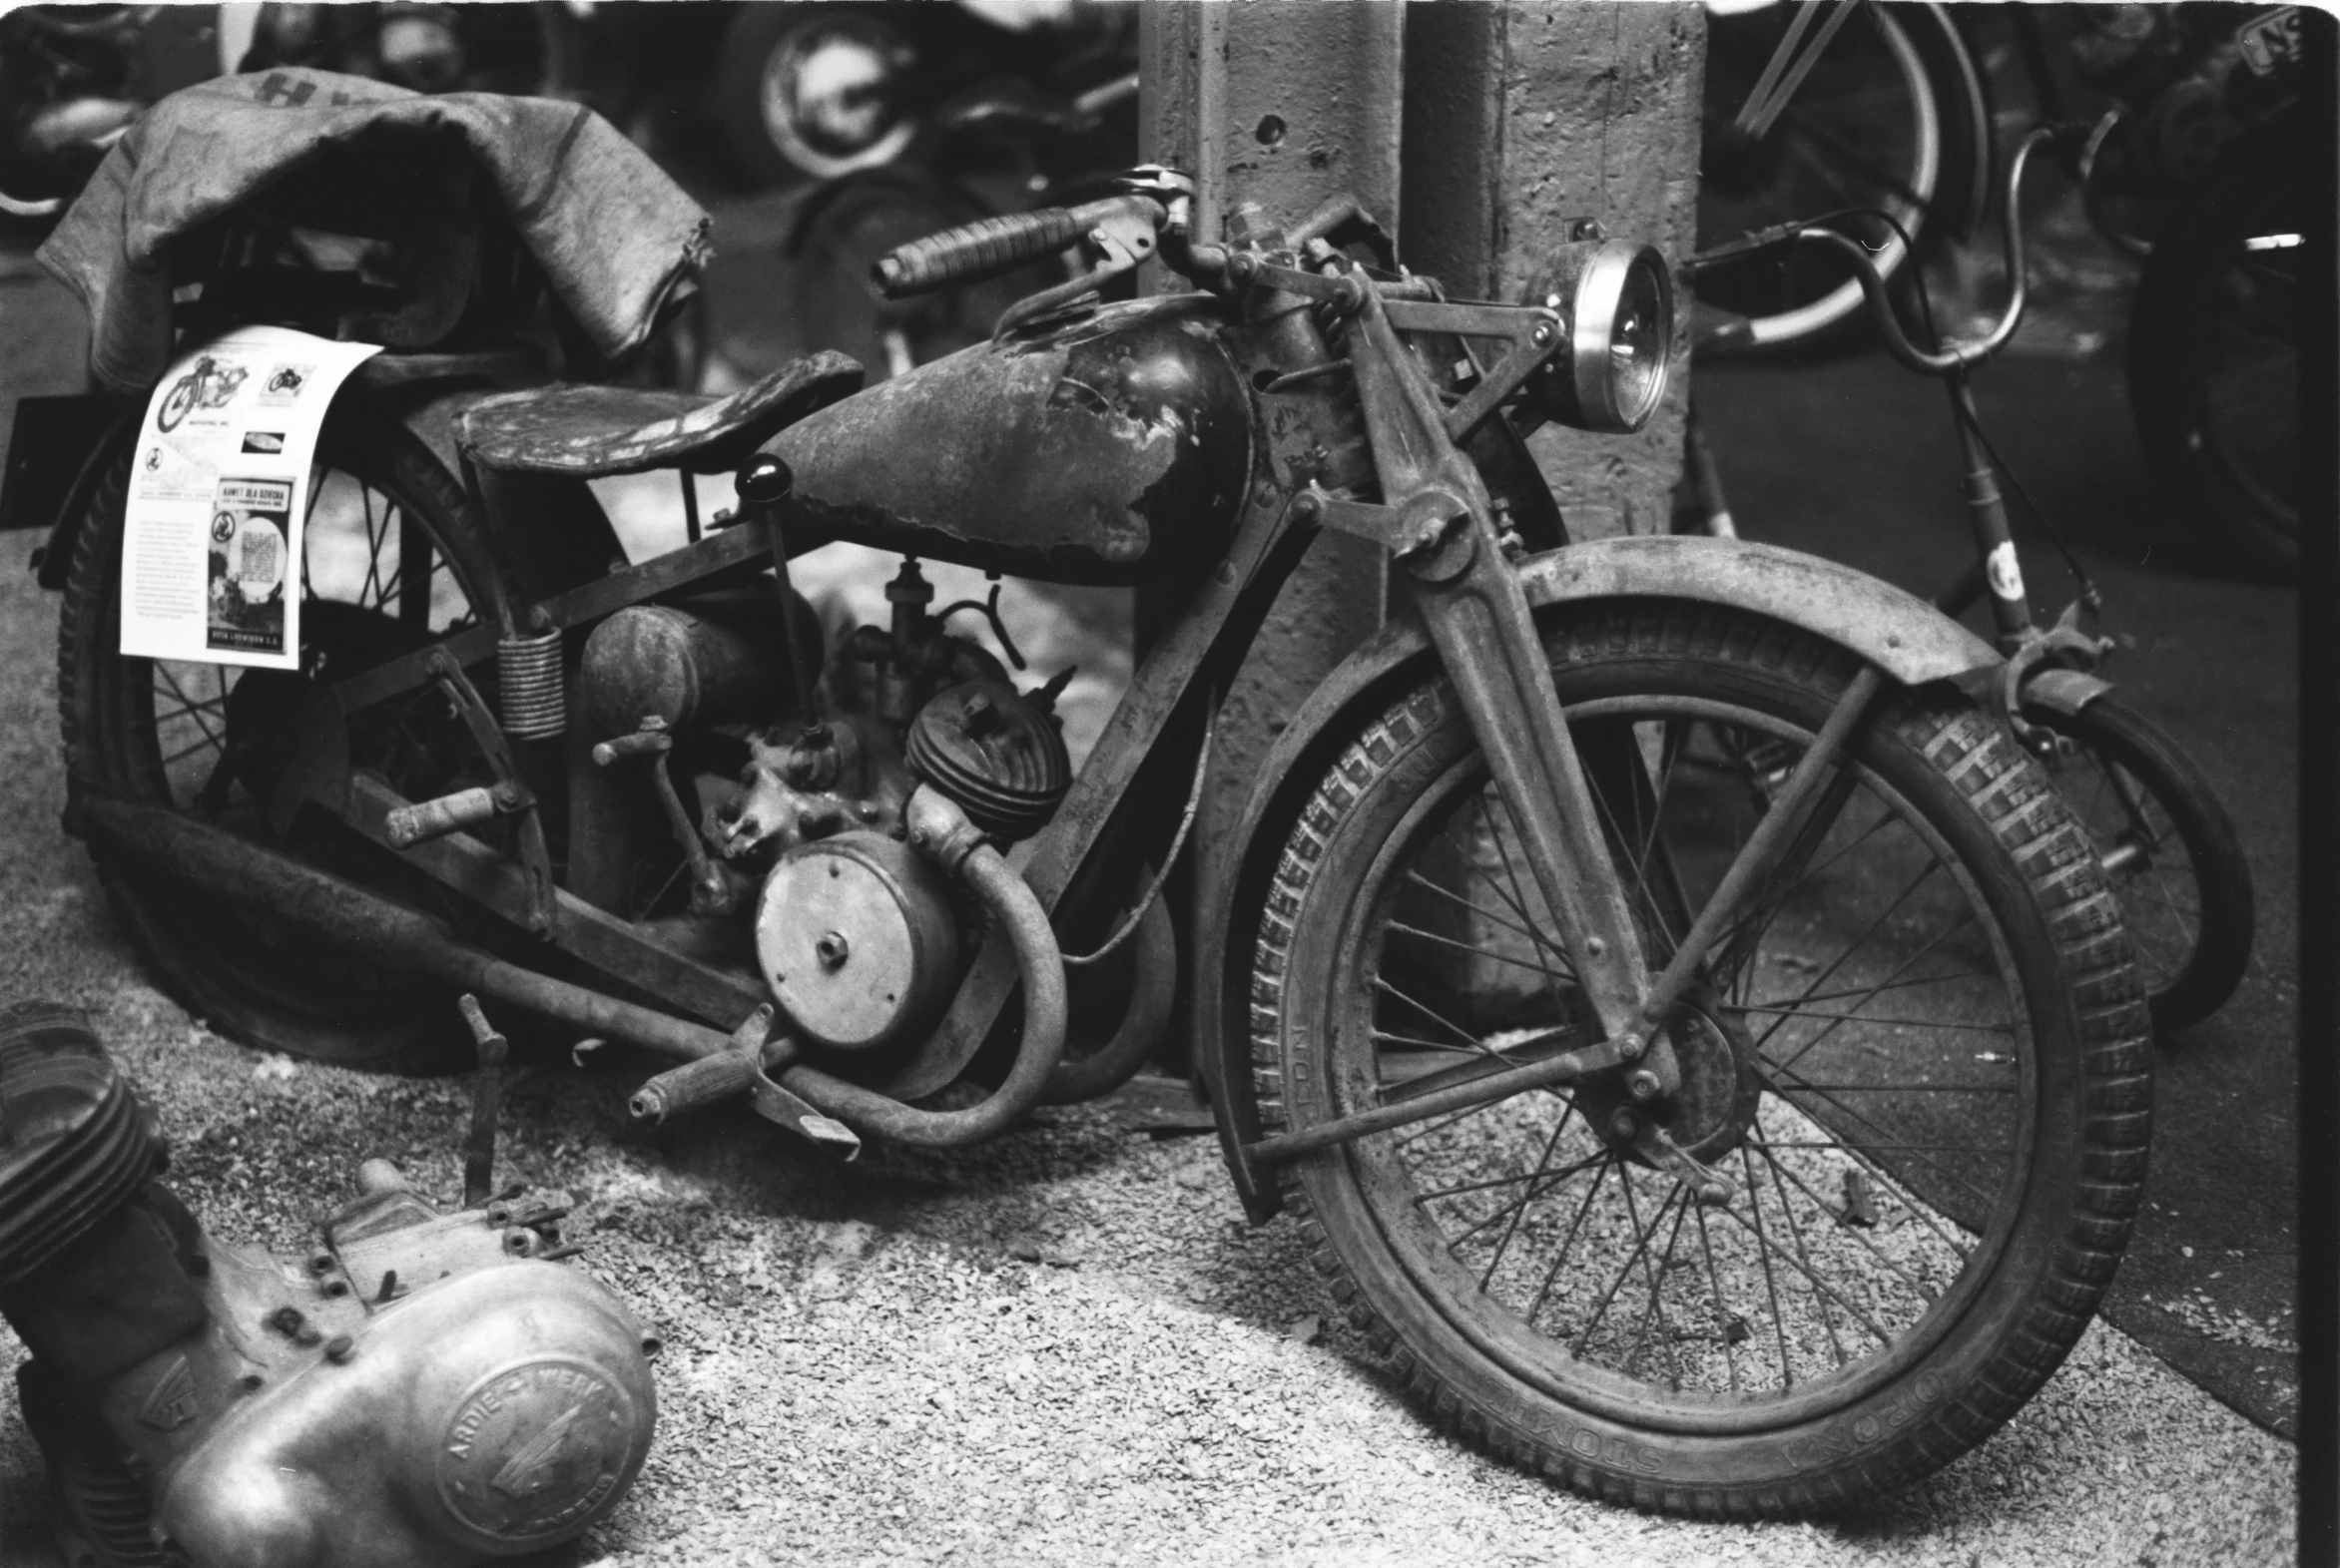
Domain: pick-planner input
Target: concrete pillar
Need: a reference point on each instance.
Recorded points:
(1478, 131)
(1521, 117)
(1283, 103)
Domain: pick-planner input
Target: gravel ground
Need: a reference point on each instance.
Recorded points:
(1066, 1347)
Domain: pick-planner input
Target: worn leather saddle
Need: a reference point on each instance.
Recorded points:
(585, 431)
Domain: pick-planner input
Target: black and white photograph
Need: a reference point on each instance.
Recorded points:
(1386, 782)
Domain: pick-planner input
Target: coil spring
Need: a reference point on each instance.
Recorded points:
(530, 685)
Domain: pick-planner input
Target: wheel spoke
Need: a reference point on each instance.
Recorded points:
(1779, 1325)
(1403, 929)
(190, 705)
(1568, 1242)
(1519, 899)
(1764, 1146)
(1934, 1166)
(1518, 1206)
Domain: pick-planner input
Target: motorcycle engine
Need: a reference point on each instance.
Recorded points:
(422, 1391)
(860, 939)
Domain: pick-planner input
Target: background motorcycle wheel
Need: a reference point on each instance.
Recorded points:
(813, 91)
(392, 560)
(2168, 848)
(2215, 338)
(1924, 1069)
(843, 231)
(1892, 116)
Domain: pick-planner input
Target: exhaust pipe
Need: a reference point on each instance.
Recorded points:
(213, 860)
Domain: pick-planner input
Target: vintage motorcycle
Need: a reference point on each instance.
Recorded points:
(208, 385)
(1720, 1146)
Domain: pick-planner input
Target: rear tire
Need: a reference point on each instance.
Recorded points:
(162, 731)
(2032, 1045)
(2177, 866)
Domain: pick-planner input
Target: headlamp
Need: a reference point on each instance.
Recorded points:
(1617, 301)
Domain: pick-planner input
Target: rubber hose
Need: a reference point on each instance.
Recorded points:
(1152, 991)
(1043, 1047)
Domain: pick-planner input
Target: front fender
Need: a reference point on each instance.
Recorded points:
(1901, 635)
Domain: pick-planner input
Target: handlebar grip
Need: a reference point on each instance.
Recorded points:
(973, 251)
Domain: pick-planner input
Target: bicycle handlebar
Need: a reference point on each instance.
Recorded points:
(1955, 354)
(1951, 355)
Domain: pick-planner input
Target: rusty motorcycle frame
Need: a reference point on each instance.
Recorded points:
(1597, 704)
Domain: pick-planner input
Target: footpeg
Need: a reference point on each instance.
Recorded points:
(745, 1068)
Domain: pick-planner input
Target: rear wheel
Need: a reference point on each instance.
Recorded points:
(392, 561)
(2169, 850)
(1919, 1063)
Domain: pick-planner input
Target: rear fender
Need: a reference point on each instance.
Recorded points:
(1901, 635)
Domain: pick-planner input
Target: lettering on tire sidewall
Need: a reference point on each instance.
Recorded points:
(1852, 1434)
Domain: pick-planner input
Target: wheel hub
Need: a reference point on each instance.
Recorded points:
(1709, 1114)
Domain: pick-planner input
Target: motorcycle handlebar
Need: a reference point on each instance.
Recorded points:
(990, 246)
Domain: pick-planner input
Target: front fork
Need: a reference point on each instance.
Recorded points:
(1436, 516)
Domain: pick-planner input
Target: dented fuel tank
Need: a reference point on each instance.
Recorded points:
(1113, 448)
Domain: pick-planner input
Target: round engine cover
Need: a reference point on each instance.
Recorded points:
(855, 937)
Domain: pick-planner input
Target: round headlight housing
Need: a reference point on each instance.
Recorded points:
(1618, 299)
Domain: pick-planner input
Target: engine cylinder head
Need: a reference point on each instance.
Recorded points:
(995, 754)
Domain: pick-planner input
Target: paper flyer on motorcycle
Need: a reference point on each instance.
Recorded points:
(218, 491)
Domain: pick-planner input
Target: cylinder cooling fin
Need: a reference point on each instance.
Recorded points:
(993, 753)
(75, 1143)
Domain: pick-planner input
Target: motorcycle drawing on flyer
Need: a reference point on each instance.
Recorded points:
(208, 385)
(1704, 1046)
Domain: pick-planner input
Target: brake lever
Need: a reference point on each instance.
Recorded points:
(1123, 238)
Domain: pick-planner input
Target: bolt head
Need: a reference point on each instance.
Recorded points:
(1543, 334)
(1624, 1123)
(1643, 1084)
(832, 949)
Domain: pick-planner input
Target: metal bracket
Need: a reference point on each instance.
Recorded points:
(2063, 645)
(1420, 524)
(1534, 333)
(1122, 242)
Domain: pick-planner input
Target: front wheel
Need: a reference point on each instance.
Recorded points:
(2167, 846)
(176, 405)
(1919, 1061)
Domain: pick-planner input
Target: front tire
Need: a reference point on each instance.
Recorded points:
(1924, 1068)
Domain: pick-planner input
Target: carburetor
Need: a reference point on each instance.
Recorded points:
(423, 1388)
